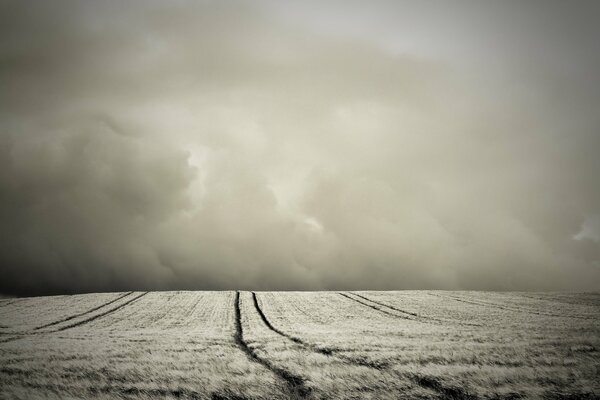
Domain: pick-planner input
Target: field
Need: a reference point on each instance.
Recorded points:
(313, 345)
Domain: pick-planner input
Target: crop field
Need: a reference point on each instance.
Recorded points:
(296, 345)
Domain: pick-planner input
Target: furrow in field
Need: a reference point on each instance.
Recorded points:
(8, 302)
(190, 354)
(427, 382)
(385, 305)
(416, 316)
(100, 315)
(294, 383)
(328, 351)
(40, 330)
(279, 332)
(377, 308)
(83, 313)
(330, 375)
(507, 308)
(35, 312)
(184, 344)
(169, 311)
(313, 347)
(156, 311)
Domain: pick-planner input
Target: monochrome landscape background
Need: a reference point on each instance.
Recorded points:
(318, 199)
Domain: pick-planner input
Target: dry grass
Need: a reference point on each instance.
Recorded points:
(211, 345)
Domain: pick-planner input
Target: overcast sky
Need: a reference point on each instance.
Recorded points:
(299, 145)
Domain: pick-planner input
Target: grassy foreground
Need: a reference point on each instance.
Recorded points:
(296, 345)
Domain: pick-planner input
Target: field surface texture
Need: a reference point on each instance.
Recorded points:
(301, 345)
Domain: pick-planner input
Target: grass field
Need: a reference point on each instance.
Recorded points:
(314, 345)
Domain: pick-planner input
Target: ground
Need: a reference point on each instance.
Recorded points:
(290, 345)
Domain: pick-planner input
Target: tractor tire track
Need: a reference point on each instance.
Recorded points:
(21, 335)
(8, 302)
(416, 316)
(375, 307)
(294, 383)
(313, 347)
(428, 382)
(83, 313)
(507, 308)
(386, 305)
(102, 314)
(294, 339)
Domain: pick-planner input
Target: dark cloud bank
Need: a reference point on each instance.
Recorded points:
(218, 145)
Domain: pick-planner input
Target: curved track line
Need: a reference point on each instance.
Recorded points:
(375, 307)
(63, 328)
(83, 313)
(294, 383)
(386, 305)
(313, 347)
(428, 382)
(8, 302)
(102, 314)
(294, 339)
(416, 316)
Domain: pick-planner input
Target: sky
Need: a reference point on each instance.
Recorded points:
(307, 145)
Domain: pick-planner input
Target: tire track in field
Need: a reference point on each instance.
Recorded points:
(416, 316)
(427, 381)
(8, 302)
(313, 347)
(294, 383)
(294, 339)
(83, 313)
(375, 307)
(102, 314)
(506, 308)
(386, 305)
(73, 325)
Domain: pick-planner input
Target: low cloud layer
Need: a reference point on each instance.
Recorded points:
(220, 145)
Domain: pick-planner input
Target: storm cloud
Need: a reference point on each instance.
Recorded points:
(299, 145)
